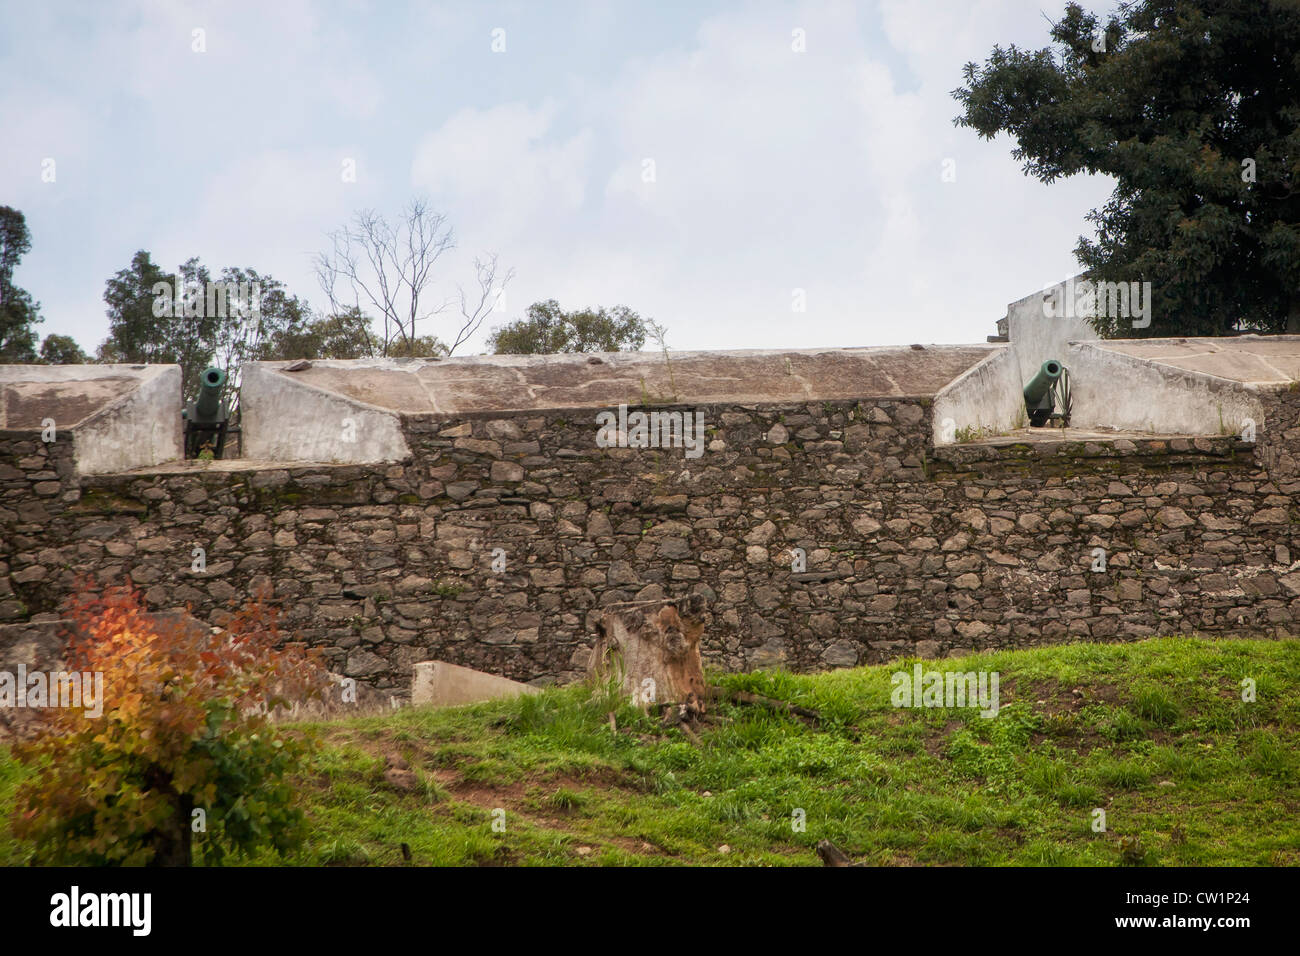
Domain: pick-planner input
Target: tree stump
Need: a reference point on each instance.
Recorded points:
(653, 649)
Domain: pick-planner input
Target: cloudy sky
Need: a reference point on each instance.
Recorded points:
(774, 169)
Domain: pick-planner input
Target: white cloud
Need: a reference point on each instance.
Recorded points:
(497, 169)
(773, 169)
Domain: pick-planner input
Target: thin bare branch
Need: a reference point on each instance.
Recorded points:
(391, 268)
(474, 309)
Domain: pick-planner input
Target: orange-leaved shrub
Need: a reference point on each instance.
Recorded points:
(183, 755)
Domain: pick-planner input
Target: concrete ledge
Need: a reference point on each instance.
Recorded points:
(525, 383)
(439, 684)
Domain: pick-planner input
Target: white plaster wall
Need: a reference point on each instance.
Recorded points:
(135, 429)
(989, 394)
(140, 429)
(288, 420)
(1113, 390)
(1035, 337)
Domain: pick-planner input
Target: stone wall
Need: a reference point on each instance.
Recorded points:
(497, 542)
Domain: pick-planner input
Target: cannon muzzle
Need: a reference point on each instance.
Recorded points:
(1040, 400)
(207, 416)
(208, 406)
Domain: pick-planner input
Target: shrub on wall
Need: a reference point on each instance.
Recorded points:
(178, 752)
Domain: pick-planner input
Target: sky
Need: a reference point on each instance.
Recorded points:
(714, 166)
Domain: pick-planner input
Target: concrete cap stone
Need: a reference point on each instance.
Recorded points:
(69, 394)
(1248, 359)
(492, 383)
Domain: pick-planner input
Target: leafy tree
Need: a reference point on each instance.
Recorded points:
(62, 350)
(188, 319)
(182, 729)
(423, 346)
(1193, 106)
(19, 315)
(549, 329)
(151, 319)
(258, 310)
(346, 335)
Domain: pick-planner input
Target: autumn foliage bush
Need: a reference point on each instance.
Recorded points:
(183, 756)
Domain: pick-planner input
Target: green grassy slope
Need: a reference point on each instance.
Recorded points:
(1155, 733)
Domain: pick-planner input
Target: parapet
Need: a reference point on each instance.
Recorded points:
(127, 417)
(120, 416)
(351, 410)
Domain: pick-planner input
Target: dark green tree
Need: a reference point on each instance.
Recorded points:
(191, 320)
(256, 311)
(549, 329)
(196, 323)
(19, 315)
(347, 335)
(156, 316)
(1193, 106)
(62, 350)
(135, 333)
(422, 346)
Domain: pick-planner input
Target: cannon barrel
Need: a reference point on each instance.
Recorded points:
(1039, 401)
(207, 407)
(207, 416)
(1042, 382)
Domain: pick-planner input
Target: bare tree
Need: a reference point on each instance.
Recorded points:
(388, 268)
(474, 309)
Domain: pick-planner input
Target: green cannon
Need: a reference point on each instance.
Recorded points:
(207, 416)
(1040, 393)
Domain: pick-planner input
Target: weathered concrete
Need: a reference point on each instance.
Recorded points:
(549, 382)
(1169, 386)
(1036, 337)
(139, 429)
(1250, 359)
(121, 416)
(1114, 389)
(289, 418)
(439, 684)
(986, 398)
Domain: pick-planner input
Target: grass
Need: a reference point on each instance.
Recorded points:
(973, 433)
(1154, 733)
(448, 589)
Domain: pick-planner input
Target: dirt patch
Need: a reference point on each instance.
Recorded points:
(487, 796)
(937, 743)
(1051, 697)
